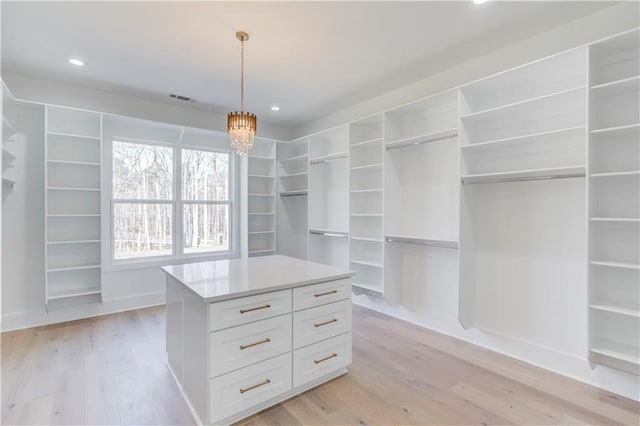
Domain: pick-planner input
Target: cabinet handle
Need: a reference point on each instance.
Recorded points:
(318, 361)
(325, 323)
(325, 293)
(242, 311)
(266, 382)
(243, 347)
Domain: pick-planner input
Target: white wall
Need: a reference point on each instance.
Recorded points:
(50, 92)
(592, 27)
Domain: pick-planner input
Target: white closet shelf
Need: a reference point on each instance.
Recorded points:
(361, 288)
(261, 251)
(293, 193)
(616, 129)
(521, 139)
(294, 175)
(72, 242)
(11, 184)
(623, 265)
(421, 139)
(616, 174)
(261, 157)
(616, 219)
(73, 135)
(64, 188)
(53, 295)
(262, 176)
(368, 166)
(7, 155)
(619, 351)
(260, 213)
(371, 240)
(73, 268)
(297, 157)
(260, 232)
(631, 84)
(74, 163)
(421, 241)
(524, 175)
(75, 215)
(367, 142)
(627, 309)
(367, 263)
(260, 195)
(328, 232)
(366, 190)
(327, 158)
(7, 128)
(366, 214)
(531, 101)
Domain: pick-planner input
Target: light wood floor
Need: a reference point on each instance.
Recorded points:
(110, 370)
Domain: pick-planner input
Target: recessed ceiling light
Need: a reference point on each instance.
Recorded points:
(479, 1)
(76, 62)
(275, 108)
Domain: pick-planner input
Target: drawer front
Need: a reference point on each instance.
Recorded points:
(315, 324)
(320, 294)
(247, 344)
(237, 391)
(247, 309)
(312, 362)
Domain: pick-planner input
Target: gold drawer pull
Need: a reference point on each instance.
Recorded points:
(266, 382)
(318, 361)
(325, 293)
(243, 347)
(325, 323)
(242, 311)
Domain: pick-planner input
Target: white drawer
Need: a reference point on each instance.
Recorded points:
(247, 344)
(237, 391)
(320, 294)
(318, 360)
(247, 309)
(315, 324)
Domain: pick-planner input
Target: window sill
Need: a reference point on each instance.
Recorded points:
(157, 262)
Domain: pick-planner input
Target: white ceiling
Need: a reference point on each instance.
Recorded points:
(308, 58)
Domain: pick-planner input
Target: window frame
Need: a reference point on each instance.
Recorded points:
(177, 238)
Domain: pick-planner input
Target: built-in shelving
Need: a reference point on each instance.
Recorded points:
(262, 197)
(72, 204)
(522, 175)
(614, 200)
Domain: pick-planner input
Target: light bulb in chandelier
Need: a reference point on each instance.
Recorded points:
(242, 125)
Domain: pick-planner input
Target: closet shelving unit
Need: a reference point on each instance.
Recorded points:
(614, 202)
(261, 198)
(8, 158)
(523, 161)
(329, 197)
(293, 188)
(420, 198)
(366, 245)
(72, 204)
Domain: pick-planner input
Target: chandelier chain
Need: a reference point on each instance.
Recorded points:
(241, 75)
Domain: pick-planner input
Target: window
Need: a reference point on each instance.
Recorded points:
(155, 214)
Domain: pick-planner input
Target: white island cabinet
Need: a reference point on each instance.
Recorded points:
(246, 334)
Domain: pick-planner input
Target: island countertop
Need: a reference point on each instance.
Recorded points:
(219, 280)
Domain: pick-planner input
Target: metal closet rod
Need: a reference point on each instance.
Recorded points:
(427, 139)
(293, 194)
(422, 242)
(329, 233)
(526, 178)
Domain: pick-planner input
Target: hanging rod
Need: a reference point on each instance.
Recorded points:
(422, 241)
(293, 193)
(419, 140)
(328, 158)
(473, 181)
(329, 233)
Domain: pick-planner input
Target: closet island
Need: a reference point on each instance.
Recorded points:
(246, 334)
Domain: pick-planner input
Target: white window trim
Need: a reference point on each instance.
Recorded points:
(110, 264)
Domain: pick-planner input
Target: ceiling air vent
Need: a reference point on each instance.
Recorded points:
(180, 97)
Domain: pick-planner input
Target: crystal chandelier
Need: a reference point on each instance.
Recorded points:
(242, 125)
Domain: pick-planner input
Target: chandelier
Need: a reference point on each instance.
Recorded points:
(242, 125)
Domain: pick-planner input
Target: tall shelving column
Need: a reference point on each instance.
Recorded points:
(8, 157)
(614, 208)
(329, 197)
(366, 233)
(72, 205)
(420, 202)
(293, 188)
(261, 198)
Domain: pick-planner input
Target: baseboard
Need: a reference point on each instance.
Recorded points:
(41, 317)
(565, 364)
